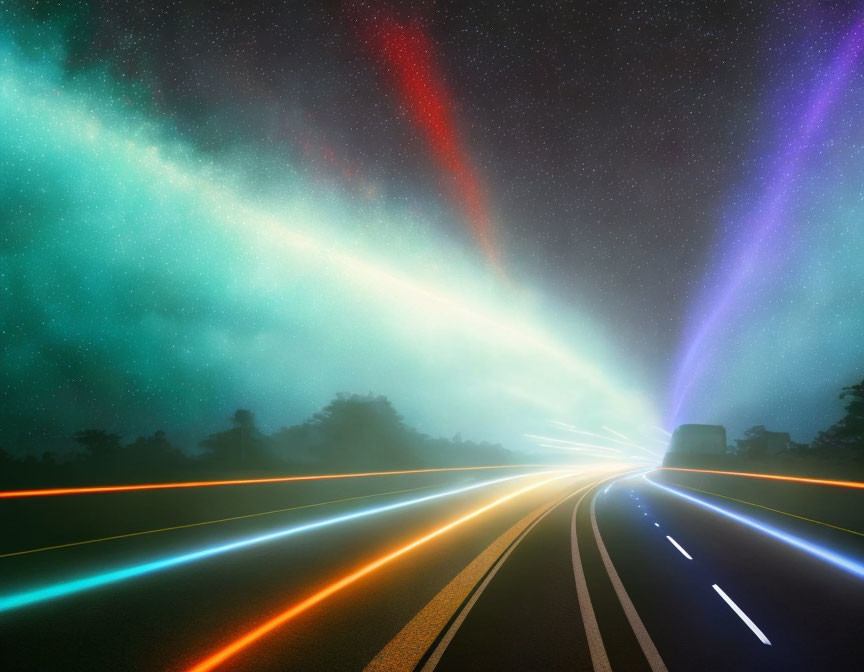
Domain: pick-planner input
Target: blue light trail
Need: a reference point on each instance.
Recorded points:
(829, 556)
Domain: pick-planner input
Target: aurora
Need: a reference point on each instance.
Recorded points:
(149, 284)
(775, 331)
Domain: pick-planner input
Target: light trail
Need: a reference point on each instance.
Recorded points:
(742, 615)
(585, 452)
(583, 432)
(827, 555)
(257, 633)
(8, 494)
(678, 546)
(64, 588)
(768, 508)
(208, 522)
(575, 449)
(619, 434)
(604, 437)
(774, 477)
(568, 442)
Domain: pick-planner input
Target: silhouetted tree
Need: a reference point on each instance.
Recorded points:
(101, 446)
(153, 455)
(362, 431)
(752, 445)
(759, 442)
(242, 446)
(846, 437)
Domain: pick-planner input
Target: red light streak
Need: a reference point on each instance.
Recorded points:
(408, 56)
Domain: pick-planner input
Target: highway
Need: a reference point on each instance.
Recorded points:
(505, 569)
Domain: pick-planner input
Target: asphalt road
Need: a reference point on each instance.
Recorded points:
(500, 591)
(171, 619)
(810, 611)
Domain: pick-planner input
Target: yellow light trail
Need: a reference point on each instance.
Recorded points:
(773, 477)
(208, 522)
(9, 494)
(268, 626)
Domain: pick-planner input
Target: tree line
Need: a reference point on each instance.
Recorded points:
(844, 440)
(351, 433)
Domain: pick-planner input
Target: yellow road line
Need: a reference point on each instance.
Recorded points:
(207, 522)
(408, 647)
(768, 508)
(262, 630)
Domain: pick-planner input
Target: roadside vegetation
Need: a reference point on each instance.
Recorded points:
(352, 433)
(836, 452)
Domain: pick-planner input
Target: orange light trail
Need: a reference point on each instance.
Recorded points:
(774, 477)
(257, 633)
(9, 494)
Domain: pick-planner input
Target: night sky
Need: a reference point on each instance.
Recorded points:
(500, 215)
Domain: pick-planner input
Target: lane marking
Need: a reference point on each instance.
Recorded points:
(99, 579)
(599, 659)
(768, 508)
(772, 477)
(825, 554)
(271, 624)
(742, 615)
(410, 645)
(679, 547)
(7, 494)
(648, 648)
(208, 522)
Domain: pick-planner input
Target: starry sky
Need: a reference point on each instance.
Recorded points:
(500, 214)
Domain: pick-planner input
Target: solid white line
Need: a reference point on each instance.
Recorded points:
(438, 651)
(679, 547)
(599, 659)
(648, 648)
(742, 615)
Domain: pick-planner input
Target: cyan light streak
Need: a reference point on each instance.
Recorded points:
(731, 287)
(65, 588)
(848, 564)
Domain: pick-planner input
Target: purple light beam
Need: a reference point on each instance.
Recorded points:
(766, 223)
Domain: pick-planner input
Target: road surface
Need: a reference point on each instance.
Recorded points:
(600, 569)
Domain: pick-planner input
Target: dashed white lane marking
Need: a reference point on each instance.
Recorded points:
(679, 547)
(655, 662)
(742, 615)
